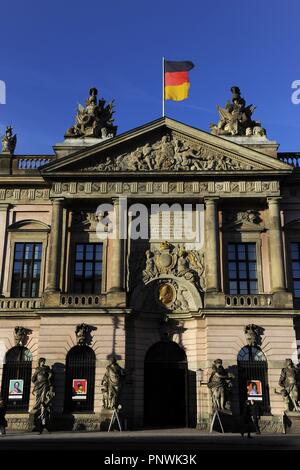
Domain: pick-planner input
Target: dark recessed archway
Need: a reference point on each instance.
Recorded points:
(80, 367)
(252, 366)
(16, 379)
(165, 386)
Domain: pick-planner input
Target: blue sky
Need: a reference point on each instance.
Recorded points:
(53, 52)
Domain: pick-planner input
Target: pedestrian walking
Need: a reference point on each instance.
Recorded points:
(3, 422)
(247, 421)
(255, 415)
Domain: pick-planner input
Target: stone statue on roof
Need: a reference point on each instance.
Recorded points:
(94, 119)
(9, 141)
(236, 118)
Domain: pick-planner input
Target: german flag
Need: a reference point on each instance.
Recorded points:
(176, 79)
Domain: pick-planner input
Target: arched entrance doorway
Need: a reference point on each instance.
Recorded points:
(80, 379)
(253, 366)
(165, 386)
(16, 378)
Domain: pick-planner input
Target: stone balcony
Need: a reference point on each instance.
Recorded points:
(57, 300)
(11, 303)
(249, 301)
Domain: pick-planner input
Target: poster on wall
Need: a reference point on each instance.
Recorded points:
(16, 387)
(254, 390)
(79, 389)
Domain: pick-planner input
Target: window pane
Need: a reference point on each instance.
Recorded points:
(252, 266)
(252, 274)
(89, 254)
(253, 287)
(17, 267)
(28, 251)
(296, 265)
(296, 268)
(19, 249)
(244, 287)
(231, 252)
(98, 269)
(38, 251)
(78, 269)
(241, 251)
(99, 247)
(233, 287)
(79, 252)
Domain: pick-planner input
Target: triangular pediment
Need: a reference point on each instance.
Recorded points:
(165, 146)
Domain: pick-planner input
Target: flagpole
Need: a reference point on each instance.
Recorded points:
(163, 87)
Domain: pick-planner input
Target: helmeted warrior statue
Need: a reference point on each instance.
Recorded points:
(236, 118)
(251, 333)
(43, 390)
(9, 141)
(20, 334)
(111, 385)
(94, 119)
(81, 332)
(219, 384)
(289, 383)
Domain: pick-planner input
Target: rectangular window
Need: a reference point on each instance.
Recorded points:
(26, 270)
(295, 257)
(88, 268)
(242, 273)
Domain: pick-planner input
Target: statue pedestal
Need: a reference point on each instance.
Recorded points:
(105, 418)
(259, 143)
(291, 422)
(72, 144)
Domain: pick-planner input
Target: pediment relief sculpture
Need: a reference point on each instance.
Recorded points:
(171, 153)
(175, 260)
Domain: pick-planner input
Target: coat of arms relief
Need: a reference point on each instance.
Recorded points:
(172, 275)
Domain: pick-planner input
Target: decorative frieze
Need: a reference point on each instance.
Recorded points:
(249, 188)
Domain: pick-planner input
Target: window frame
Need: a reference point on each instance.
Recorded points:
(290, 276)
(84, 261)
(237, 261)
(24, 236)
(31, 278)
(242, 237)
(84, 237)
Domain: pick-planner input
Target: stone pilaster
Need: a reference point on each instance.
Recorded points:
(116, 264)
(276, 246)
(212, 248)
(3, 241)
(213, 296)
(54, 248)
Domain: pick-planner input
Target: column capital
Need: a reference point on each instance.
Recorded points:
(57, 200)
(4, 206)
(116, 200)
(274, 200)
(213, 200)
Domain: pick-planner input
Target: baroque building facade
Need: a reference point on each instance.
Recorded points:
(164, 306)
